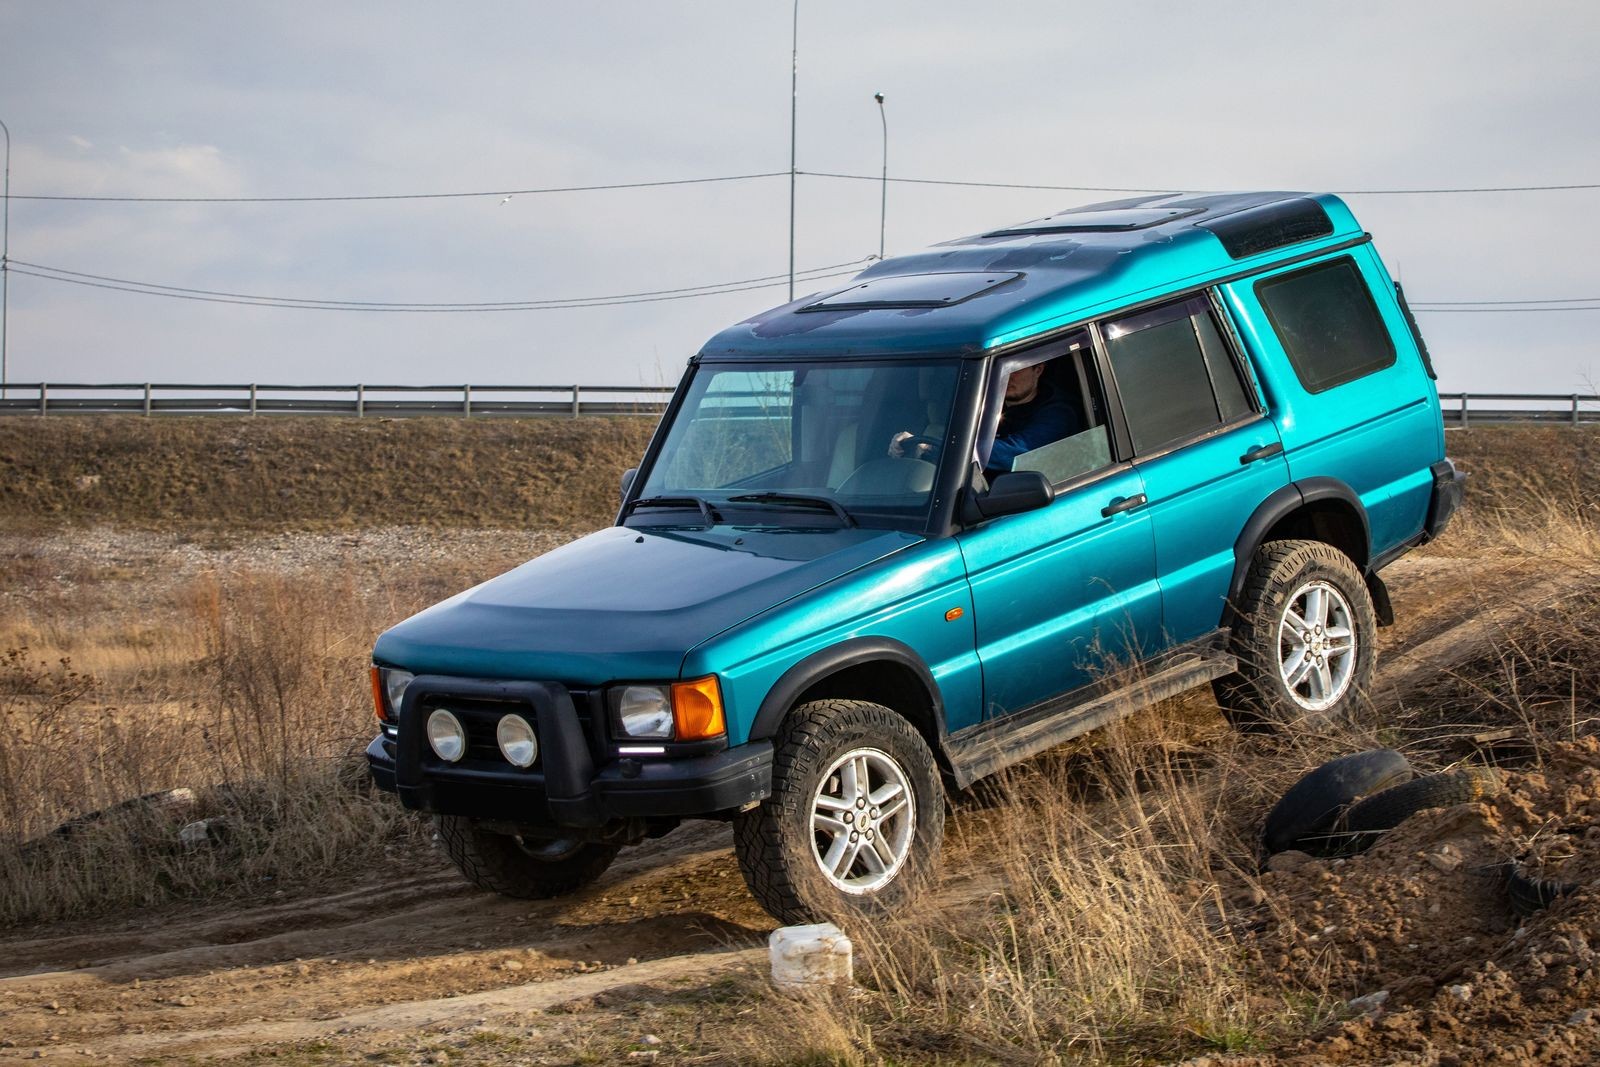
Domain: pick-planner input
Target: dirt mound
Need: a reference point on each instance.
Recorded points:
(1425, 916)
(314, 473)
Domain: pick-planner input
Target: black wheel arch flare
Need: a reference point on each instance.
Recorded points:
(856, 652)
(1300, 500)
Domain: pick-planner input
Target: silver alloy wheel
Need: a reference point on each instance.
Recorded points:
(1316, 646)
(863, 817)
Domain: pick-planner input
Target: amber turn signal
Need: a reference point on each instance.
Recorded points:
(697, 709)
(377, 696)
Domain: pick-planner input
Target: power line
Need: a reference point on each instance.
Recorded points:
(173, 293)
(1480, 303)
(692, 290)
(952, 182)
(1129, 189)
(1494, 311)
(398, 196)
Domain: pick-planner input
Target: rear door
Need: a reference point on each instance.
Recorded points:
(1349, 386)
(1202, 445)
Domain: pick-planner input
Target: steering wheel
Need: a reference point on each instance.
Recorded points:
(910, 446)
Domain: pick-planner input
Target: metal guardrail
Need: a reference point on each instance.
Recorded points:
(1553, 408)
(524, 401)
(361, 400)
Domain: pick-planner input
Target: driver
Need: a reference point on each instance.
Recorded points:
(1034, 414)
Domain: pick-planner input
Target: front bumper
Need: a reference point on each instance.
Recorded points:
(1449, 486)
(565, 787)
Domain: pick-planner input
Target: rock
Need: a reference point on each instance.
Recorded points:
(1462, 992)
(1582, 1017)
(1369, 1006)
(632, 960)
(810, 955)
(1446, 858)
(511, 965)
(1292, 860)
(184, 1001)
(650, 1039)
(203, 833)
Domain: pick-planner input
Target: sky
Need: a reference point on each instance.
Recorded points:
(199, 99)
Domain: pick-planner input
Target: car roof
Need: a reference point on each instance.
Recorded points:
(1006, 285)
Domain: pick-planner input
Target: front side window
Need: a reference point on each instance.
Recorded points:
(806, 444)
(1045, 413)
(1174, 373)
(1327, 322)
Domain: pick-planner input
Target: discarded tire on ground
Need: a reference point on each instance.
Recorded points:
(1370, 817)
(1530, 895)
(1312, 805)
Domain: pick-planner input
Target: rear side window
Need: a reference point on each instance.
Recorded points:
(1174, 373)
(1327, 322)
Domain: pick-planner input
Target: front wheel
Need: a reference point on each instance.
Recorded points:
(1304, 637)
(855, 819)
(527, 868)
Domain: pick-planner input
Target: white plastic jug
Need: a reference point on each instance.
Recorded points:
(817, 954)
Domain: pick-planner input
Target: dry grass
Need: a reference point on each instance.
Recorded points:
(314, 473)
(252, 695)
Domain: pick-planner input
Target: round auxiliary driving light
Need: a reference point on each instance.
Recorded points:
(517, 741)
(447, 736)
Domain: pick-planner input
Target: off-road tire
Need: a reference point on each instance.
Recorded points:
(501, 864)
(774, 840)
(1256, 697)
(1312, 805)
(1369, 818)
(1531, 895)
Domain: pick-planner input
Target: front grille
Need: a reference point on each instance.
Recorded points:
(482, 717)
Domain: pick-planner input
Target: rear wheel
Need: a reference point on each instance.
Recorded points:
(855, 819)
(1303, 637)
(528, 868)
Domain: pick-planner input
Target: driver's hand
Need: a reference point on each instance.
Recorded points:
(897, 444)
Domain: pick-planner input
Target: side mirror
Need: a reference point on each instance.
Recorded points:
(1015, 492)
(627, 480)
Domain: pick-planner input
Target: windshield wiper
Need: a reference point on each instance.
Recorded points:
(682, 501)
(796, 499)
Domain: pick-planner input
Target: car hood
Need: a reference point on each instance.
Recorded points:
(625, 603)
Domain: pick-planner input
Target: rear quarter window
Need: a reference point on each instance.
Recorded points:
(1328, 324)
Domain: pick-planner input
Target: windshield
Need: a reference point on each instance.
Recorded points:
(804, 444)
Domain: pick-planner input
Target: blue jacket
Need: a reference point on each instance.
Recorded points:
(1048, 417)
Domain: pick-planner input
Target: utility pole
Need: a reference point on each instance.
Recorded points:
(5, 262)
(794, 109)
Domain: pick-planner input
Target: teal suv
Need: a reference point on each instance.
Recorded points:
(890, 538)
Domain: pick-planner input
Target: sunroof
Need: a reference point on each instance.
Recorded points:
(914, 291)
(1114, 220)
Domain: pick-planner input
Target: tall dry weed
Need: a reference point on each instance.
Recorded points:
(266, 732)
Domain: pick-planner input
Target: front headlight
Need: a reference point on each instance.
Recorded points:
(645, 711)
(677, 711)
(394, 687)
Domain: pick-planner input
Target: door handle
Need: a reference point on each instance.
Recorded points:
(1262, 452)
(1124, 503)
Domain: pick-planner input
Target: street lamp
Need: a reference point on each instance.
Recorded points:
(794, 107)
(883, 207)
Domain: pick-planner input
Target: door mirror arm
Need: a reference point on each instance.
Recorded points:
(627, 481)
